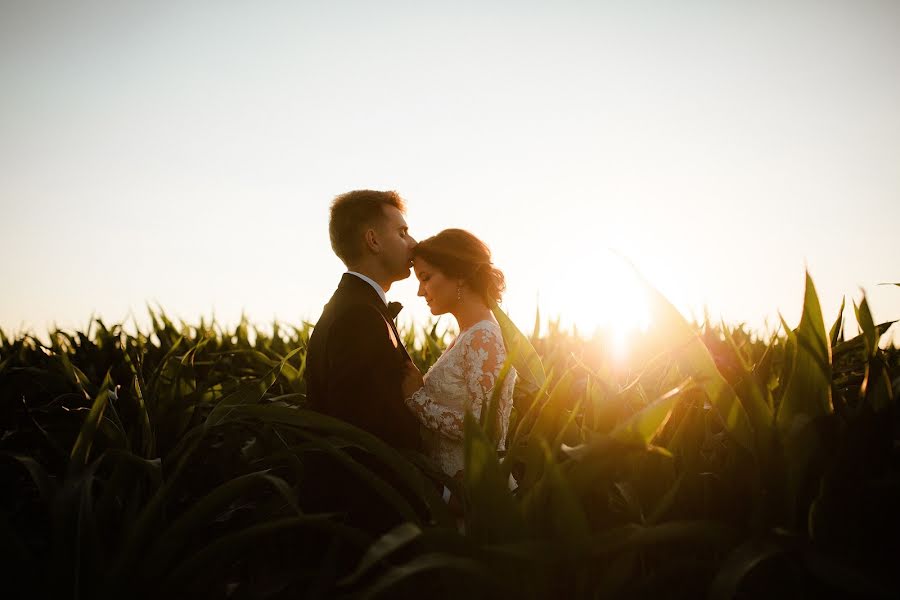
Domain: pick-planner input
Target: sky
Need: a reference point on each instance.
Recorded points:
(184, 154)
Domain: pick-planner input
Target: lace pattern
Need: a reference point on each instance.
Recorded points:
(463, 378)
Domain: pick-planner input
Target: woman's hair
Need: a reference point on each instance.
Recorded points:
(460, 255)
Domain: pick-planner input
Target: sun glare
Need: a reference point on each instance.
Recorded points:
(602, 299)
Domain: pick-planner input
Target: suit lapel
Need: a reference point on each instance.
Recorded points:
(353, 285)
(393, 327)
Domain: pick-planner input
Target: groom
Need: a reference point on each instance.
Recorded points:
(356, 361)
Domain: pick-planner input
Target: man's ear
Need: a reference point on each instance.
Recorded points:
(371, 238)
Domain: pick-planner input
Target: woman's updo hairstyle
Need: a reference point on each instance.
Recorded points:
(460, 255)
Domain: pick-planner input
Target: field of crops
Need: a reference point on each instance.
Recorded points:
(181, 462)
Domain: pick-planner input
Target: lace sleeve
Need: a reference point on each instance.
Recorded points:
(435, 416)
(484, 356)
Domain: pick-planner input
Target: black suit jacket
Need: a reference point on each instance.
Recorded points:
(355, 364)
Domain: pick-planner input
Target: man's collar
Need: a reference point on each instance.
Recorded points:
(374, 285)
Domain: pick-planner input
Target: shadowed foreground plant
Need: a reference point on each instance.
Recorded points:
(182, 462)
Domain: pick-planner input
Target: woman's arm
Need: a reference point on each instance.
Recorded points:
(435, 416)
(484, 354)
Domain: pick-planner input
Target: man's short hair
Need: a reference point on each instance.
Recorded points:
(352, 213)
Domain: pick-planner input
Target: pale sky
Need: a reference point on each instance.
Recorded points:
(185, 153)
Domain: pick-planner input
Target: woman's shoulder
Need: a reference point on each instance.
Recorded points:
(488, 325)
(486, 331)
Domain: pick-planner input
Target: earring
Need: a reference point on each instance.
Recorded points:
(458, 292)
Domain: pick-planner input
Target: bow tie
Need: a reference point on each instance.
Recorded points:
(394, 309)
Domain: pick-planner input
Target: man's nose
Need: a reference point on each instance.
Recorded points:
(412, 241)
(421, 291)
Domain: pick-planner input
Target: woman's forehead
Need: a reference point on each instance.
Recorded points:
(420, 264)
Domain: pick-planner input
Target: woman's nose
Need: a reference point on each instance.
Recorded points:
(421, 291)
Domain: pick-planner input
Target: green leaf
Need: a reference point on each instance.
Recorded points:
(876, 387)
(148, 521)
(643, 426)
(808, 391)
(82, 447)
(555, 508)
(693, 358)
(604, 406)
(46, 486)
(859, 343)
(549, 418)
(666, 502)
(431, 342)
(203, 512)
(739, 564)
(867, 325)
(552, 412)
(754, 396)
(836, 335)
(148, 440)
(528, 364)
(225, 548)
(250, 392)
(119, 490)
(636, 433)
(599, 459)
(398, 537)
(369, 479)
(526, 421)
(326, 426)
(492, 514)
(164, 362)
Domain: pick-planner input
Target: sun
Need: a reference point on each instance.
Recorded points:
(601, 297)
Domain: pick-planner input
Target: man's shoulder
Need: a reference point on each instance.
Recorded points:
(348, 312)
(355, 315)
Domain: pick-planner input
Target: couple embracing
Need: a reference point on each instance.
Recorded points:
(357, 367)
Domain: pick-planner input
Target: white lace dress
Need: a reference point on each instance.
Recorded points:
(463, 377)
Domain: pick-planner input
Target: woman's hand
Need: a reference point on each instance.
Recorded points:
(412, 380)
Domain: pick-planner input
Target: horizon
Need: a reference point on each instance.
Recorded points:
(619, 340)
(186, 156)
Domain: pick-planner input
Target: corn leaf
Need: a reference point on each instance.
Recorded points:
(82, 447)
(693, 358)
(492, 515)
(527, 363)
(808, 391)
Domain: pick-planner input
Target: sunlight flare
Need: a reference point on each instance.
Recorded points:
(603, 299)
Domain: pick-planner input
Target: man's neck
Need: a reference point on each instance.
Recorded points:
(373, 274)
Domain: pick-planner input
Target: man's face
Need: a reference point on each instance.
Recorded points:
(396, 244)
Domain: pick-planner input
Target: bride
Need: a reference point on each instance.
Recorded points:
(456, 276)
